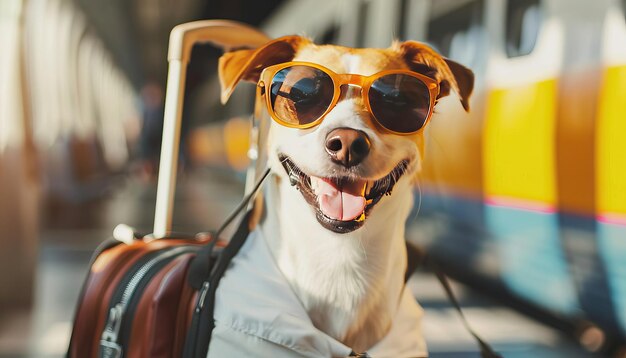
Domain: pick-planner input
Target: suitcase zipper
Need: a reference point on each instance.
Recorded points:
(202, 296)
(110, 346)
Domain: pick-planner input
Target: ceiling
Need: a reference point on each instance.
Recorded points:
(137, 31)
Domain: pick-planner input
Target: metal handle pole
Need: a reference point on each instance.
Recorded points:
(168, 165)
(222, 33)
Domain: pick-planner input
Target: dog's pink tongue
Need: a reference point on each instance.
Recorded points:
(343, 204)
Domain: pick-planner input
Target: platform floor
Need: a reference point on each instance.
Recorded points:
(204, 199)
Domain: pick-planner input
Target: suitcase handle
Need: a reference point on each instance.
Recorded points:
(228, 35)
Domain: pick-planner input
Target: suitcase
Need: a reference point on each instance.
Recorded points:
(151, 295)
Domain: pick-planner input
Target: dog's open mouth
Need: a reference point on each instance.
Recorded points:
(342, 203)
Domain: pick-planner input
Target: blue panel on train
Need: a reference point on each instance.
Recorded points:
(452, 229)
(532, 261)
(612, 247)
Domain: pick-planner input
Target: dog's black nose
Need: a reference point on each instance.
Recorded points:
(347, 147)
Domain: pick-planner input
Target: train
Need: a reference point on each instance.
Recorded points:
(528, 190)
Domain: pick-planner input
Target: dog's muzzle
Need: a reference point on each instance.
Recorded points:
(342, 204)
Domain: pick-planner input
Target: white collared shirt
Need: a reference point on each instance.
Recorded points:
(258, 315)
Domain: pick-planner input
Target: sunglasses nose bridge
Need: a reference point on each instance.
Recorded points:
(349, 90)
(354, 79)
(352, 82)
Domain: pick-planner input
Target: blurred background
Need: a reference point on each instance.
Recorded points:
(522, 202)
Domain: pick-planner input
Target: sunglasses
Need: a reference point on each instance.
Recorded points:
(300, 94)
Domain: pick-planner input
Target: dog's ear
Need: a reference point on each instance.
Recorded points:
(451, 75)
(464, 78)
(247, 65)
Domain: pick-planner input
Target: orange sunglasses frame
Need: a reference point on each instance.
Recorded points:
(364, 82)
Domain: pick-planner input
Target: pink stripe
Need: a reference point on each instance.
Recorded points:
(612, 218)
(521, 204)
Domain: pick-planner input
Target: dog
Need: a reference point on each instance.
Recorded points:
(344, 145)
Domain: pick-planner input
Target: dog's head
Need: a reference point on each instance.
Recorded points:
(347, 161)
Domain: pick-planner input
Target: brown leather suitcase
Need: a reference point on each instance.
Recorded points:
(136, 301)
(143, 293)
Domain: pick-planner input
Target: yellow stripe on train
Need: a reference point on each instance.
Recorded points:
(518, 143)
(611, 144)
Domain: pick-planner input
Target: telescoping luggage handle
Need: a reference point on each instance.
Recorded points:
(222, 33)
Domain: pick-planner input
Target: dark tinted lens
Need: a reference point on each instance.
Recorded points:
(300, 94)
(400, 102)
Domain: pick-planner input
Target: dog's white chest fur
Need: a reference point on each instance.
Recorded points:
(348, 283)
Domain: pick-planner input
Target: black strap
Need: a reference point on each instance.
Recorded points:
(415, 257)
(205, 273)
(485, 349)
(200, 267)
(202, 324)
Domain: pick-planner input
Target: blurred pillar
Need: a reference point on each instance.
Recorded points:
(19, 189)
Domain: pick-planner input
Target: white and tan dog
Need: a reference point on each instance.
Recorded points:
(333, 224)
